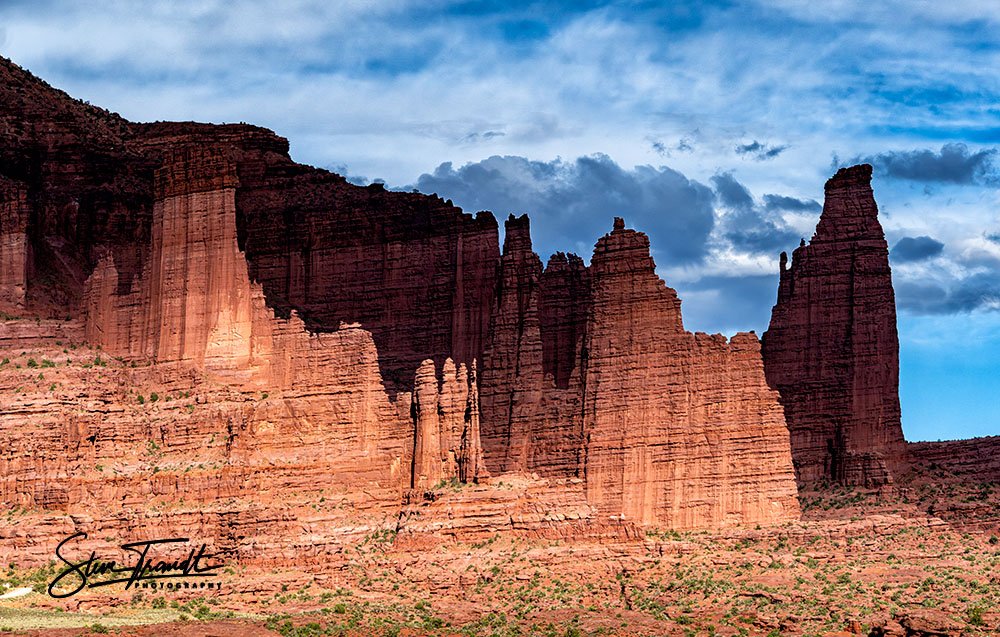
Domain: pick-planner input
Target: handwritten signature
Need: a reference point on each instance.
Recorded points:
(145, 568)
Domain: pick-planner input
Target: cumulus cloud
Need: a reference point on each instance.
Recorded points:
(979, 291)
(732, 193)
(955, 163)
(571, 203)
(748, 226)
(791, 204)
(968, 281)
(915, 249)
(759, 150)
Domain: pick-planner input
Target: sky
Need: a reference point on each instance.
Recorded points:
(711, 126)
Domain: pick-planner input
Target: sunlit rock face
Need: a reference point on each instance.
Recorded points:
(589, 372)
(260, 354)
(832, 350)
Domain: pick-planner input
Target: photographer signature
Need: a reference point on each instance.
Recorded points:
(83, 573)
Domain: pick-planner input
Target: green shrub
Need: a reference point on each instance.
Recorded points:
(975, 615)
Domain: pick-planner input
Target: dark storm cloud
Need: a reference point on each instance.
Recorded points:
(915, 249)
(791, 204)
(759, 150)
(977, 292)
(571, 203)
(725, 304)
(732, 193)
(747, 226)
(954, 163)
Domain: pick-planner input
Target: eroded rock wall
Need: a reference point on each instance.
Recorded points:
(195, 307)
(975, 459)
(14, 247)
(447, 445)
(77, 184)
(531, 388)
(414, 270)
(832, 350)
(681, 429)
(590, 373)
(300, 310)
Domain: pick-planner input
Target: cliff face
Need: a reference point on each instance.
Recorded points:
(446, 443)
(832, 350)
(590, 373)
(69, 183)
(194, 306)
(305, 310)
(76, 184)
(681, 429)
(531, 388)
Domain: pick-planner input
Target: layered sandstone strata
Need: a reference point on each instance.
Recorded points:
(446, 440)
(589, 372)
(975, 459)
(194, 307)
(246, 431)
(832, 350)
(532, 374)
(415, 270)
(303, 309)
(14, 256)
(77, 184)
(70, 184)
(681, 429)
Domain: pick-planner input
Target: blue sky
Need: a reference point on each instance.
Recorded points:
(710, 125)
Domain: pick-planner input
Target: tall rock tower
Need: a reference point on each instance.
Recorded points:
(832, 350)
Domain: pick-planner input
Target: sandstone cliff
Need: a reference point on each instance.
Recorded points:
(681, 429)
(203, 260)
(832, 350)
(446, 444)
(78, 184)
(531, 393)
(589, 372)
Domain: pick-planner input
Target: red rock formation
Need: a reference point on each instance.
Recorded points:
(81, 187)
(14, 246)
(207, 254)
(512, 364)
(681, 429)
(832, 350)
(975, 459)
(194, 306)
(446, 425)
(531, 391)
(78, 184)
(471, 461)
(589, 372)
(193, 301)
